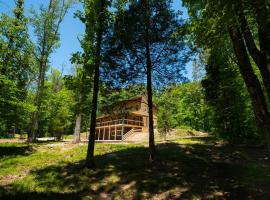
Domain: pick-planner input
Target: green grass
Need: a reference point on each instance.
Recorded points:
(187, 168)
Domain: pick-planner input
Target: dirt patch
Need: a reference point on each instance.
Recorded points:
(8, 179)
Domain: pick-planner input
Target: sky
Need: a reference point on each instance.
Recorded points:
(71, 29)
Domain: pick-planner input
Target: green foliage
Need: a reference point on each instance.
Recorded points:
(227, 95)
(125, 60)
(46, 22)
(81, 85)
(225, 89)
(184, 105)
(61, 116)
(57, 113)
(93, 9)
(220, 105)
(165, 121)
(17, 68)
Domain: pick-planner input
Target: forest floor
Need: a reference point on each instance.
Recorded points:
(198, 168)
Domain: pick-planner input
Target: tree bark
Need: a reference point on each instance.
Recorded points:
(41, 79)
(77, 130)
(152, 149)
(91, 142)
(259, 56)
(263, 21)
(253, 85)
(38, 102)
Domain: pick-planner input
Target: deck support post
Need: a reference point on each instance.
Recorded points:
(109, 132)
(98, 133)
(122, 131)
(115, 130)
(119, 127)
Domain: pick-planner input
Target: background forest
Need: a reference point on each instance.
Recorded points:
(197, 122)
(214, 100)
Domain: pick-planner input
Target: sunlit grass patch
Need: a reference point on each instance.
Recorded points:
(191, 141)
(185, 168)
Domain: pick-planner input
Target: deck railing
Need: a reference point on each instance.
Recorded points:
(120, 122)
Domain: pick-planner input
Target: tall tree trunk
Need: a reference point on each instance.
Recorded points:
(91, 142)
(38, 102)
(263, 21)
(48, 40)
(77, 130)
(260, 56)
(40, 87)
(253, 85)
(152, 149)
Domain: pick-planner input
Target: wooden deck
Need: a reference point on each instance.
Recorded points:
(116, 130)
(120, 122)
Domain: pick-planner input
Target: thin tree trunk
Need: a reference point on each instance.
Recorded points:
(253, 85)
(152, 149)
(77, 130)
(91, 142)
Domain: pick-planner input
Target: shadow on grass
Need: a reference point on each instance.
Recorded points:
(127, 174)
(40, 142)
(15, 150)
(21, 149)
(39, 196)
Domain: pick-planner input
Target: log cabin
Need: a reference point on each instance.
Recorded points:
(123, 119)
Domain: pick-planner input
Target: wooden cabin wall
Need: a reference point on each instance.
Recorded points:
(135, 109)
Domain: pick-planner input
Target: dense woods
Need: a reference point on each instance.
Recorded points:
(139, 44)
(242, 28)
(203, 67)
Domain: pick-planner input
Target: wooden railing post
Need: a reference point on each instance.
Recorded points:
(122, 131)
(118, 122)
(109, 132)
(115, 130)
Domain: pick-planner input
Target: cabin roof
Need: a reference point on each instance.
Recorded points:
(135, 99)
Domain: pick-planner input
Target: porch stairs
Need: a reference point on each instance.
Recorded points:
(131, 133)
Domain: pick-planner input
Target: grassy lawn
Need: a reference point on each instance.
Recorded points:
(187, 169)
